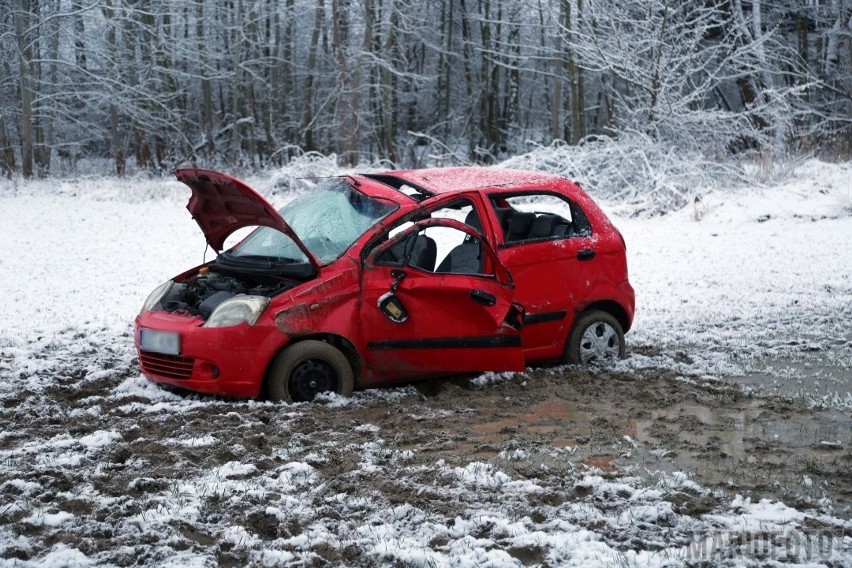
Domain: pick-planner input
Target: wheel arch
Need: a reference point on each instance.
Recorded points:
(337, 341)
(611, 307)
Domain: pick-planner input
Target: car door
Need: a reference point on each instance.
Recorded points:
(422, 318)
(548, 245)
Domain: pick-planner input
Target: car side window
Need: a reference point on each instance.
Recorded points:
(539, 216)
(439, 249)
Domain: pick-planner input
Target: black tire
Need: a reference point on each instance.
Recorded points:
(308, 368)
(596, 335)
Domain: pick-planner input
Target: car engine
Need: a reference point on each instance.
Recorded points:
(202, 293)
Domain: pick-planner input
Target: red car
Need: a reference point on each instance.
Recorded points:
(377, 278)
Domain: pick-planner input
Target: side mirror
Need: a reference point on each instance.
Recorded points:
(390, 304)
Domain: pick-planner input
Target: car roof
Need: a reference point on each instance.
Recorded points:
(434, 181)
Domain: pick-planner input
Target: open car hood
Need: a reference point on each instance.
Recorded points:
(221, 204)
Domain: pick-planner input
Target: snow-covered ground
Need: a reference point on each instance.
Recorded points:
(739, 284)
(756, 285)
(752, 288)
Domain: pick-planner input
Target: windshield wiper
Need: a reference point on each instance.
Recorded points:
(258, 259)
(265, 265)
(265, 258)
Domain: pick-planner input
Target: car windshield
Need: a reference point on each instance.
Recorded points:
(327, 219)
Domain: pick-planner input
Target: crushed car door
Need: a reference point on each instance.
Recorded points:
(428, 314)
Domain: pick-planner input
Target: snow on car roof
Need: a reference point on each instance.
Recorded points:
(444, 180)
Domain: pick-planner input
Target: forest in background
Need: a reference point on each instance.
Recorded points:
(149, 85)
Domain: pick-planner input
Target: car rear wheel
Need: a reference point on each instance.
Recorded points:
(306, 369)
(596, 336)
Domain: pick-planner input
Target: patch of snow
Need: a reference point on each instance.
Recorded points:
(479, 474)
(42, 518)
(100, 439)
(493, 378)
(200, 441)
(235, 469)
(22, 486)
(61, 556)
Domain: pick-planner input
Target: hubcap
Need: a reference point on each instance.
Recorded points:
(310, 378)
(599, 341)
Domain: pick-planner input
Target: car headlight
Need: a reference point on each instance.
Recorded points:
(241, 308)
(154, 297)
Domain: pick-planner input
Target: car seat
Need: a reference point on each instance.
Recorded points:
(504, 214)
(519, 226)
(425, 253)
(465, 258)
(544, 226)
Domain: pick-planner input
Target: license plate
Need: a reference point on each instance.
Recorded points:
(160, 341)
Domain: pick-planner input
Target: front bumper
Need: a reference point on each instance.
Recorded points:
(226, 361)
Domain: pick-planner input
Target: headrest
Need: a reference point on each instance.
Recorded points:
(472, 219)
(543, 226)
(503, 216)
(520, 222)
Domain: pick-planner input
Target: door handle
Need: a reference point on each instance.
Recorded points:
(483, 297)
(586, 254)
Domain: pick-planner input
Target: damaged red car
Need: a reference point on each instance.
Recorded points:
(386, 277)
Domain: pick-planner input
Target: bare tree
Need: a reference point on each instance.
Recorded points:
(151, 84)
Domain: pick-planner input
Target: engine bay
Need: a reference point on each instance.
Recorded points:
(200, 294)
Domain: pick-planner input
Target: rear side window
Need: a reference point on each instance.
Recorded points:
(539, 216)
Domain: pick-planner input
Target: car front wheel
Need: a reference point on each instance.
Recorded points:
(306, 369)
(596, 336)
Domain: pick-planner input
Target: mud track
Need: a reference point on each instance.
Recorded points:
(119, 464)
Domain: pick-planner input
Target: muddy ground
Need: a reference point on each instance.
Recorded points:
(648, 422)
(129, 478)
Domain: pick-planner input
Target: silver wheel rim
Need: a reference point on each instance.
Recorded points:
(599, 341)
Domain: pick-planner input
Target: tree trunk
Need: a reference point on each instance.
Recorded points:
(367, 47)
(206, 88)
(576, 78)
(79, 35)
(832, 57)
(545, 89)
(117, 142)
(511, 107)
(290, 104)
(488, 124)
(442, 94)
(390, 93)
(348, 79)
(116, 138)
(748, 84)
(43, 153)
(234, 155)
(276, 88)
(803, 41)
(559, 69)
(25, 128)
(7, 148)
(468, 82)
(308, 143)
